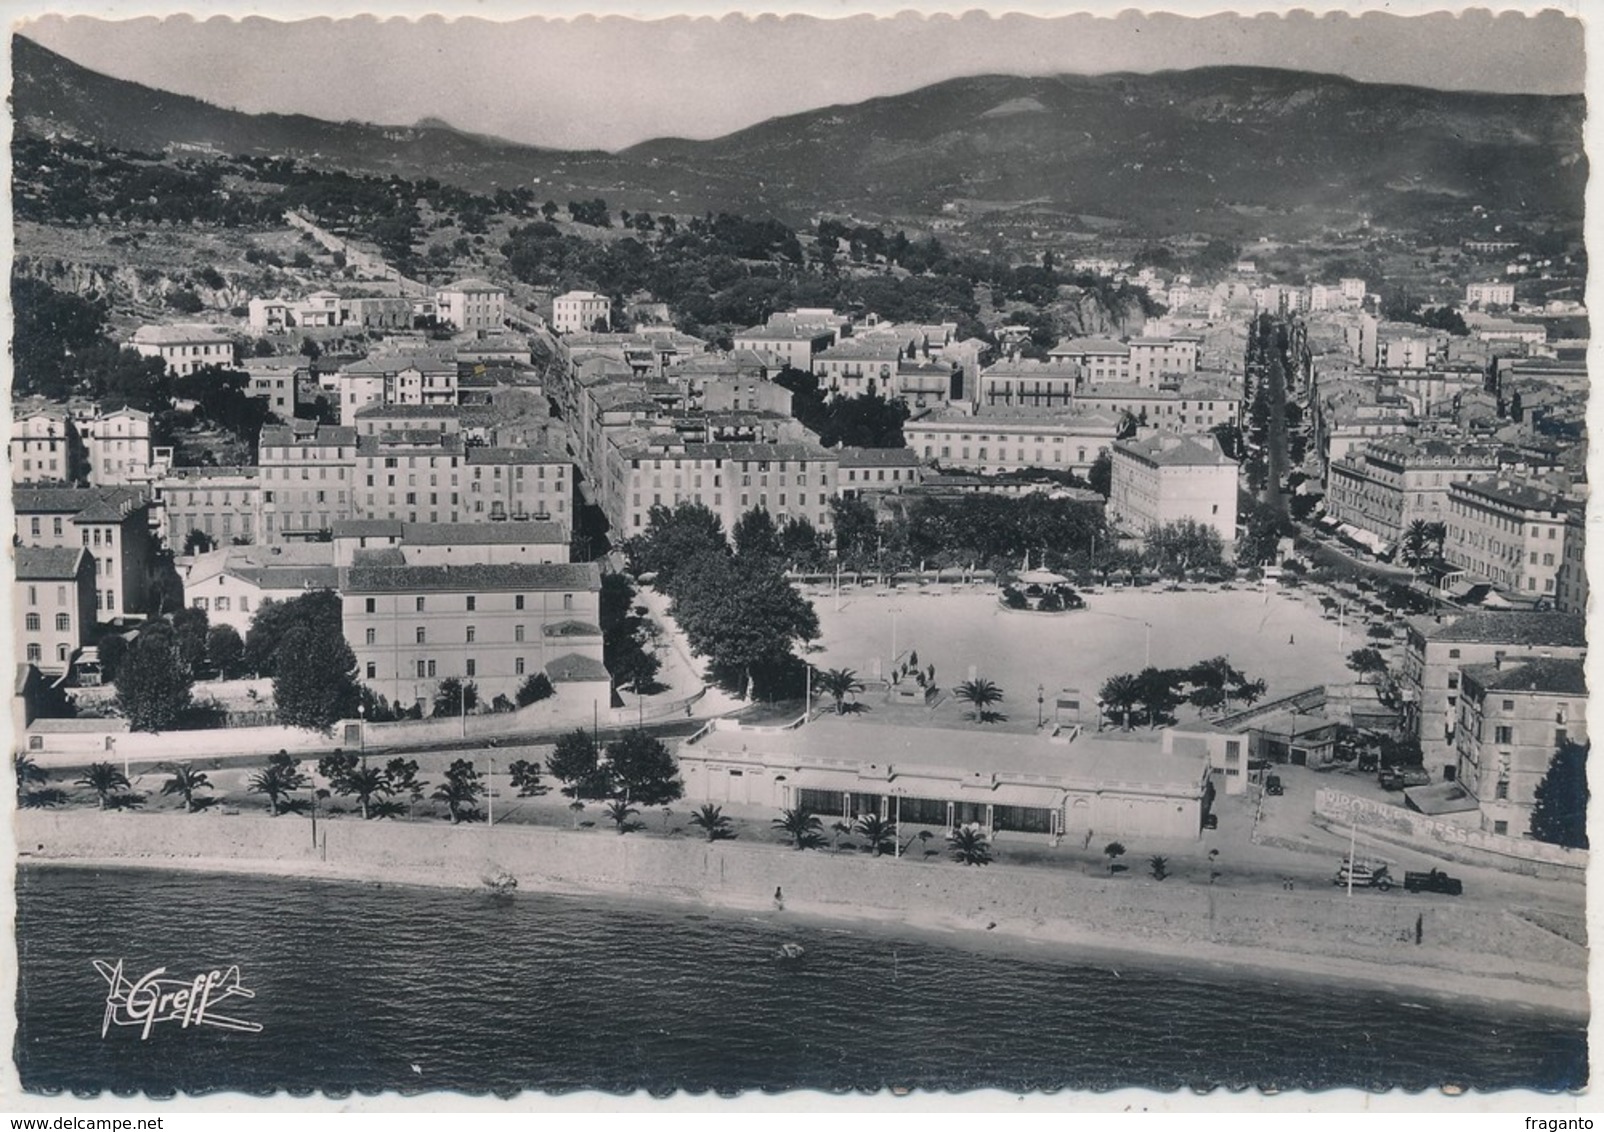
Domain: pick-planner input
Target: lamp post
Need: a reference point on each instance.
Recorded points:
(1040, 692)
(362, 732)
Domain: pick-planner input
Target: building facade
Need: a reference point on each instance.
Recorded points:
(578, 311)
(1513, 717)
(1393, 482)
(53, 605)
(1008, 441)
(185, 349)
(1168, 478)
(114, 524)
(471, 304)
(224, 504)
(1509, 533)
(306, 479)
(789, 480)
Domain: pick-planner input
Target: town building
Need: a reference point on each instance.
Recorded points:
(1393, 482)
(1018, 384)
(790, 480)
(790, 341)
(1508, 532)
(412, 626)
(1438, 647)
(185, 349)
(1167, 478)
(854, 367)
(306, 479)
(113, 523)
(445, 544)
(1143, 361)
(425, 476)
(275, 381)
(864, 471)
(1513, 717)
(946, 777)
(578, 311)
(1570, 587)
(1008, 440)
(230, 583)
(45, 448)
(1190, 406)
(1490, 294)
(223, 503)
(117, 447)
(422, 378)
(471, 304)
(53, 605)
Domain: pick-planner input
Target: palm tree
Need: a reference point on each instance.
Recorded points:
(969, 845)
(1417, 537)
(710, 820)
(29, 773)
(980, 694)
(877, 831)
(278, 780)
(1438, 534)
(803, 827)
(1159, 867)
(619, 811)
(368, 784)
(1121, 693)
(185, 781)
(840, 683)
(460, 791)
(105, 780)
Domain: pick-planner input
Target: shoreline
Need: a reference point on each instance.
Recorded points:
(1059, 939)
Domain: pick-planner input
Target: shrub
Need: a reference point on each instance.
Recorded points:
(536, 688)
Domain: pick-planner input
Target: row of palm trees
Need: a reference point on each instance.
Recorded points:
(1422, 542)
(968, 844)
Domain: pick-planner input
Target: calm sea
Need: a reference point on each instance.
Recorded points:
(356, 985)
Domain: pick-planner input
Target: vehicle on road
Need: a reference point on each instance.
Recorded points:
(1272, 785)
(1434, 881)
(1403, 777)
(1364, 874)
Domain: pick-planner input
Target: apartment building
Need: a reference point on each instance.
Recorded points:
(1393, 482)
(1191, 406)
(791, 343)
(446, 544)
(1508, 532)
(117, 446)
(231, 583)
(223, 503)
(185, 349)
(422, 476)
(373, 420)
(1570, 588)
(412, 626)
(1100, 360)
(1513, 717)
(307, 483)
(45, 448)
(1437, 648)
(395, 379)
(1490, 294)
(578, 311)
(112, 523)
(1143, 362)
(275, 380)
(1167, 478)
(790, 480)
(471, 304)
(53, 605)
(854, 367)
(1008, 440)
(1027, 383)
(864, 471)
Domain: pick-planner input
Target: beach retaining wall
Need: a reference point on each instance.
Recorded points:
(1089, 907)
(1461, 843)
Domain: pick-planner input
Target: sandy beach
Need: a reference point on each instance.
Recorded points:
(1196, 931)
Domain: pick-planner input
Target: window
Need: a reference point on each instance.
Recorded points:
(1501, 827)
(518, 601)
(471, 604)
(221, 605)
(420, 669)
(422, 635)
(472, 667)
(1509, 705)
(472, 634)
(372, 637)
(200, 603)
(35, 653)
(568, 601)
(1503, 734)
(518, 666)
(371, 605)
(64, 624)
(420, 605)
(517, 632)
(32, 622)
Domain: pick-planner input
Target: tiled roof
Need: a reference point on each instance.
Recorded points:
(92, 504)
(474, 576)
(379, 366)
(1492, 627)
(574, 668)
(570, 629)
(1526, 496)
(407, 412)
(487, 455)
(367, 528)
(739, 450)
(1101, 346)
(179, 335)
(47, 563)
(481, 534)
(1544, 674)
(878, 457)
(1171, 450)
(446, 443)
(474, 285)
(321, 436)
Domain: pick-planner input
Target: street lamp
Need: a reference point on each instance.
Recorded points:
(362, 732)
(1040, 691)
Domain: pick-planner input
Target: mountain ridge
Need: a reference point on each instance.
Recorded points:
(1171, 148)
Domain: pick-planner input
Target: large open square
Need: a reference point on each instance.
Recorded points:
(1274, 636)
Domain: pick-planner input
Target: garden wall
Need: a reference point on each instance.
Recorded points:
(1472, 846)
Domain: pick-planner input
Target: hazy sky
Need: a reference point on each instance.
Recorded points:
(610, 82)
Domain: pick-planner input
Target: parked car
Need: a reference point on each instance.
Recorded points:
(1403, 777)
(1272, 785)
(1434, 881)
(1364, 874)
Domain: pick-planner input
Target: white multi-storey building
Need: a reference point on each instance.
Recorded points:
(1167, 478)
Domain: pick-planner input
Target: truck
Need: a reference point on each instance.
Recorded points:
(1434, 881)
(1365, 874)
(1403, 777)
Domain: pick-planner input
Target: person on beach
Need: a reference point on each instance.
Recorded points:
(779, 899)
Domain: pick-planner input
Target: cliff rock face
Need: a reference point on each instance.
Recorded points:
(1086, 314)
(123, 285)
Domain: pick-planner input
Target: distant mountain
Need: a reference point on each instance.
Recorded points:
(1174, 150)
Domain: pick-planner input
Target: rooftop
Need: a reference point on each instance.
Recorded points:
(877, 457)
(367, 528)
(474, 285)
(473, 576)
(93, 504)
(1079, 347)
(179, 334)
(408, 412)
(484, 455)
(1548, 675)
(1515, 493)
(306, 432)
(574, 668)
(1173, 450)
(1493, 627)
(530, 531)
(47, 563)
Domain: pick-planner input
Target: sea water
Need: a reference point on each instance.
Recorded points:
(365, 988)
